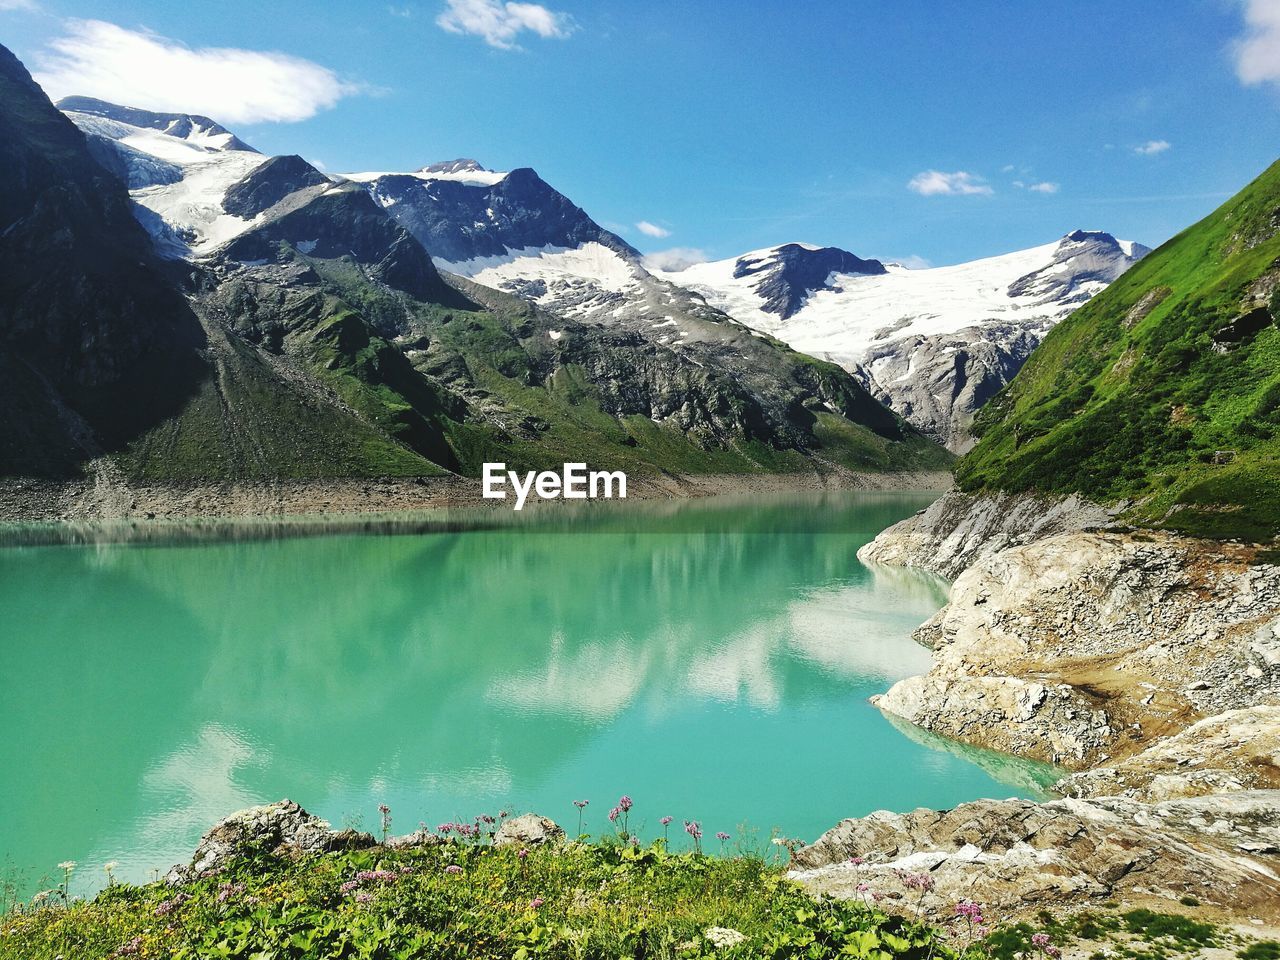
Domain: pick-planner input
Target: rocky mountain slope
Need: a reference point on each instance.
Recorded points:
(932, 344)
(322, 341)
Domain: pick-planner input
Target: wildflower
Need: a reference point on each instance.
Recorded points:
(485, 818)
(864, 887)
(503, 814)
(349, 886)
(614, 814)
(167, 907)
(129, 949)
(536, 902)
(916, 881)
(364, 898)
(375, 876)
(383, 809)
(109, 868)
(971, 911)
(857, 861)
(722, 836)
(693, 828)
(406, 870)
(1040, 940)
(445, 828)
(1052, 951)
(634, 840)
(724, 937)
(624, 804)
(580, 803)
(523, 853)
(665, 821)
(453, 868)
(67, 866)
(229, 890)
(982, 933)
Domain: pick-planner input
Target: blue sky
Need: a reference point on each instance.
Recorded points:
(893, 129)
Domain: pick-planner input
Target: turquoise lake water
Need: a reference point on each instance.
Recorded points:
(712, 659)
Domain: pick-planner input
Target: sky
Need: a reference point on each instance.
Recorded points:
(908, 130)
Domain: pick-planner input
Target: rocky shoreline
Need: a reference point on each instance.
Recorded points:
(103, 496)
(1145, 664)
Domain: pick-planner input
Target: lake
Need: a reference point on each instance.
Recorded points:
(712, 659)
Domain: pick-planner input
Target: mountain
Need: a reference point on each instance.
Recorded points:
(198, 131)
(511, 231)
(933, 345)
(309, 333)
(94, 341)
(1163, 392)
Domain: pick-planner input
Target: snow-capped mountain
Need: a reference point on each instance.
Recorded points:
(178, 168)
(593, 356)
(933, 344)
(514, 232)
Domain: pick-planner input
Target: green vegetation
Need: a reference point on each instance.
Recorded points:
(461, 900)
(1164, 389)
(1134, 935)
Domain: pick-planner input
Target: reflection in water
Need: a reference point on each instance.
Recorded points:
(712, 659)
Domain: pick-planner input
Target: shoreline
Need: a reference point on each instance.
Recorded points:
(37, 500)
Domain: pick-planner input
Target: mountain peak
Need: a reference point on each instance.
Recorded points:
(1077, 236)
(461, 165)
(789, 273)
(191, 127)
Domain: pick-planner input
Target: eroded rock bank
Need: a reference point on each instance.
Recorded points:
(1016, 857)
(1144, 663)
(1086, 647)
(959, 529)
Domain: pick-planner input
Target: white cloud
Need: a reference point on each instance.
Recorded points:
(1152, 147)
(677, 258)
(652, 229)
(935, 183)
(28, 5)
(144, 69)
(1258, 51)
(1044, 186)
(500, 23)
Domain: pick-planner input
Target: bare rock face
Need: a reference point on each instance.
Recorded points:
(528, 830)
(1015, 856)
(1085, 647)
(282, 829)
(959, 529)
(1236, 750)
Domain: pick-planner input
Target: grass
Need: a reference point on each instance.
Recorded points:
(1128, 398)
(458, 900)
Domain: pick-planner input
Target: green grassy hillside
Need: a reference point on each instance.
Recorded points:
(1164, 390)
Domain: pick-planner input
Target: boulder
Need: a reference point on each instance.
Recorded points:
(528, 830)
(281, 829)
